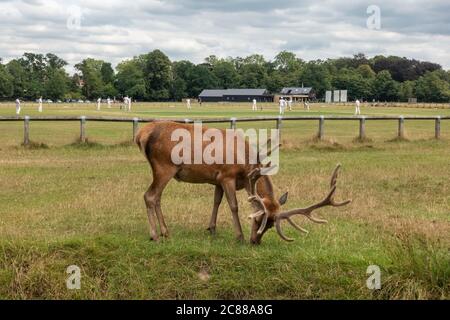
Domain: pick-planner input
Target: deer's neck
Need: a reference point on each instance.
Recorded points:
(265, 190)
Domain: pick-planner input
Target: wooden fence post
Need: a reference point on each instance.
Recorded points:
(26, 131)
(135, 127)
(82, 129)
(362, 128)
(233, 123)
(401, 127)
(437, 127)
(321, 127)
(279, 126)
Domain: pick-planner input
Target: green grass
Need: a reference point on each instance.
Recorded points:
(64, 203)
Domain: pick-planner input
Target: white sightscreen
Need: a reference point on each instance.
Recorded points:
(328, 97)
(336, 96)
(343, 95)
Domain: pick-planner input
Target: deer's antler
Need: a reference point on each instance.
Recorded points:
(328, 201)
(256, 201)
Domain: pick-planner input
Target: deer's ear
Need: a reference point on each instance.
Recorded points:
(283, 198)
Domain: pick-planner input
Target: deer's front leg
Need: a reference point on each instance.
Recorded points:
(229, 186)
(150, 203)
(218, 195)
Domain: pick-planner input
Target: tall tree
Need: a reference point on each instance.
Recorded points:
(158, 75)
(432, 87)
(385, 88)
(287, 62)
(130, 79)
(316, 74)
(57, 85)
(349, 79)
(19, 78)
(107, 73)
(226, 74)
(406, 90)
(91, 76)
(6, 82)
(202, 78)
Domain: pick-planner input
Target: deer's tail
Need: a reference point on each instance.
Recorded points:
(144, 139)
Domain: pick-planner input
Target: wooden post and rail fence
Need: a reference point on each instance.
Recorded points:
(233, 122)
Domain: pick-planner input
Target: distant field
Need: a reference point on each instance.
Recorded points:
(294, 132)
(62, 203)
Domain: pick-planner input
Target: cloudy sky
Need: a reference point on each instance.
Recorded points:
(193, 29)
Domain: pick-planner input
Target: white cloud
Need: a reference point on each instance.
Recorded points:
(193, 29)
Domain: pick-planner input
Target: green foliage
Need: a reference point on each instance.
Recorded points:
(130, 79)
(33, 74)
(153, 76)
(19, 78)
(366, 71)
(57, 84)
(433, 87)
(201, 78)
(157, 75)
(6, 82)
(316, 74)
(358, 87)
(226, 74)
(92, 77)
(107, 73)
(110, 91)
(385, 88)
(406, 90)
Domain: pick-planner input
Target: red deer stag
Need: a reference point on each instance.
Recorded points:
(155, 141)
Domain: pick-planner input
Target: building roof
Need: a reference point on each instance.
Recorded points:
(296, 90)
(232, 92)
(212, 93)
(245, 92)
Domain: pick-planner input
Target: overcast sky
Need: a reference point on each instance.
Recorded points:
(193, 29)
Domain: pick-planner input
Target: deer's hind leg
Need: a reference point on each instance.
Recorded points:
(161, 176)
(218, 195)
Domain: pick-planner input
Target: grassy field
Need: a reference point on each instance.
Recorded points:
(62, 203)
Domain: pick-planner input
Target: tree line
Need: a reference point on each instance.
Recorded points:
(153, 77)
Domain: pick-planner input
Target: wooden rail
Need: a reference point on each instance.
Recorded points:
(233, 122)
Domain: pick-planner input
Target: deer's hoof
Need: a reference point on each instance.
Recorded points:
(212, 230)
(154, 238)
(240, 239)
(165, 234)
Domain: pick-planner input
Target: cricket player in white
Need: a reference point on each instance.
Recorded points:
(188, 103)
(99, 101)
(306, 105)
(129, 104)
(125, 101)
(282, 105)
(17, 106)
(40, 104)
(357, 109)
(108, 101)
(254, 107)
(290, 104)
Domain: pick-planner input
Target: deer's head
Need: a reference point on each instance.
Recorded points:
(268, 212)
